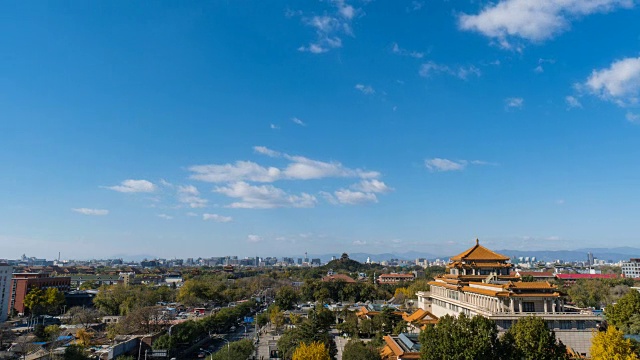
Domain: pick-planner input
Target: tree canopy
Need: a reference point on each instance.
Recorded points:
(625, 314)
(531, 339)
(358, 350)
(312, 351)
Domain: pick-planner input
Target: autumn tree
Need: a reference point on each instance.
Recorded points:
(48, 301)
(84, 337)
(358, 350)
(83, 316)
(312, 351)
(611, 345)
(276, 316)
(531, 339)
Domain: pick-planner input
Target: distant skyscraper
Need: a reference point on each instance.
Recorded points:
(590, 258)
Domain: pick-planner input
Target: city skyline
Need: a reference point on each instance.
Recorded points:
(318, 126)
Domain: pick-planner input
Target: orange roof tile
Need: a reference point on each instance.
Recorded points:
(480, 291)
(532, 285)
(479, 252)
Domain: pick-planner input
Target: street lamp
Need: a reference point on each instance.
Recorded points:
(140, 346)
(228, 346)
(208, 352)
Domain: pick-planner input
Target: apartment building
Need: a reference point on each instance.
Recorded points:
(6, 272)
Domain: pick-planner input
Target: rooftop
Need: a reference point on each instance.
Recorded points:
(479, 253)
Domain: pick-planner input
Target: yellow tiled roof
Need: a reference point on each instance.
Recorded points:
(532, 285)
(479, 252)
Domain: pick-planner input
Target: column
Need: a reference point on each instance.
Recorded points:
(545, 305)
(519, 305)
(511, 305)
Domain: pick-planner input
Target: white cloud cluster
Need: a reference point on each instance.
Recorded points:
(299, 168)
(573, 102)
(633, 118)
(92, 212)
(619, 83)
(239, 176)
(330, 27)
(252, 238)
(514, 103)
(462, 72)
(396, 49)
(134, 186)
(533, 21)
(263, 196)
(165, 216)
(444, 165)
(217, 218)
(361, 193)
(297, 121)
(190, 195)
(365, 89)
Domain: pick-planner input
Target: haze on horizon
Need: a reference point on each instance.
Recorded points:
(280, 127)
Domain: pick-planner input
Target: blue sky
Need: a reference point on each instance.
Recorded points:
(191, 128)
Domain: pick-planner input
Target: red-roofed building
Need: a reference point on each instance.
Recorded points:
(338, 277)
(570, 279)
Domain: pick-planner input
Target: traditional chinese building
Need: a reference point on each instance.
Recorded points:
(480, 282)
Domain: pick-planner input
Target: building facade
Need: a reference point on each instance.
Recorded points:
(23, 283)
(631, 268)
(480, 282)
(6, 272)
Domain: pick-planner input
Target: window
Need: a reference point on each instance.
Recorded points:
(528, 307)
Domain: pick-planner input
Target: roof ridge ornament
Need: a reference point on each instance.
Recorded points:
(477, 241)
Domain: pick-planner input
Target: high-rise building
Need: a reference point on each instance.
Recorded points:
(6, 272)
(23, 283)
(590, 258)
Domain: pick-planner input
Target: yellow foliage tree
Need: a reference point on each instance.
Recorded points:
(611, 345)
(84, 337)
(313, 351)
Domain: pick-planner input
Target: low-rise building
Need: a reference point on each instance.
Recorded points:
(401, 347)
(23, 283)
(631, 268)
(394, 278)
(570, 279)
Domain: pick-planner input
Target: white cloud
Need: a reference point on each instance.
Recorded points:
(534, 21)
(299, 168)
(441, 165)
(189, 194)
(240, 170)
(303, 168)
(330, 27)
(560, 202)
(396, 49)
(514, 103)
(416, 5)
(266, 151)
(365, 89)
(359, 242)
(192, 214)
(462, 72)
(165, 216)
(573, 102)
(619, 83)
(349, 197)
(254, 238)
(274, 126)
(372, 186)
(633, 118)
(539, 69)
(264, 197)
(217, 218)
(297, 121)
(134, 186)
(93, 212)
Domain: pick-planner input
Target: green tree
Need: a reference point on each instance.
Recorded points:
(532, 340)
(286, 297)
(611, 345)
(164, 342)
(461, 338)
(589, 293)
(74, 352)
(236, 350)
(358, 350)
(624, 314)
(48, 301)
(89, 285)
